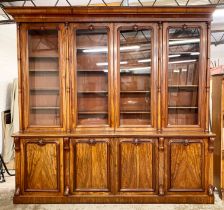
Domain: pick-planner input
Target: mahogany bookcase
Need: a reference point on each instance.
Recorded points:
(114, 105)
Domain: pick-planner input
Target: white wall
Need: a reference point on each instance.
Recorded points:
(8, 66)
(217, 54)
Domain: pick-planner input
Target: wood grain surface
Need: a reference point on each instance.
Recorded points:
(116, 138)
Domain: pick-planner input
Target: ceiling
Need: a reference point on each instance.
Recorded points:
(112, 2)
(217, 24)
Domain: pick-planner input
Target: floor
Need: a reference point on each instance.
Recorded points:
(7, 190)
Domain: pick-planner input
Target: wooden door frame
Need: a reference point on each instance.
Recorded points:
(202, 103)
(73, 77)
(154, 76)
(24, 78)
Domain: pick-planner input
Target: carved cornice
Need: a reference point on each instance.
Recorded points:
(67, 14)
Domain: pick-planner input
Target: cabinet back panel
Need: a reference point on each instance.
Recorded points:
(184, 63)
(88, 81)
(43, 64)
(44, 77)
(91, 63)
(135, 102)
(186, 98)
(44, 80)
(135, 119)
(183, 117)
(46, 99)
(135, 82)
(92, 102)
(45, 117)
(92, 119)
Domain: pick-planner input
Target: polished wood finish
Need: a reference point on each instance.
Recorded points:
(194, 124)
(143, 98)
(42, 160)
(136, 162)
(217, 128)
(182, 174)
(106, 92)
(90, 172)
(137, 165)
(115, 14)
(43, 85)
(88, 96)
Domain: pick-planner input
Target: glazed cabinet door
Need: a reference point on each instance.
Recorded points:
(91, 58)
(137, 165)
(42, 168)
(90, 168)
(43, 60)
(184, 76)
(136, 62)
(186, 165)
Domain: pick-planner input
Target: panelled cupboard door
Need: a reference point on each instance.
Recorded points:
(137, 165)
(90, 169)
(91, 70)
(135, 47)
(184, 76)
(185, 165)
(42, 169)
(43, 58)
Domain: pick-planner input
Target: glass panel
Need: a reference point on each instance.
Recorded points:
(135, 77)
(44, 77)
(183, 72)
(92, 76)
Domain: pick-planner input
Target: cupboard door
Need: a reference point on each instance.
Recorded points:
(92, 75)
(44, 76)
(137, 166)
(90, 169)
(185, 165)
(185, 51)
(42, 165)
(136, 65)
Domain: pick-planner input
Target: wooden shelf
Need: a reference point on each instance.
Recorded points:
(44, 70)
(135, 51)
(182, 86)
(134, 73)
(44, 89)
(93, 113)
(135, 112)
(94, 92)
(182, 107)
(45, 107)
(92, 71)
(135, 91)
(184, 38)
(43, 56)
(80, 51)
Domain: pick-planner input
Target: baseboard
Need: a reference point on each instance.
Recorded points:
(194, 199)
